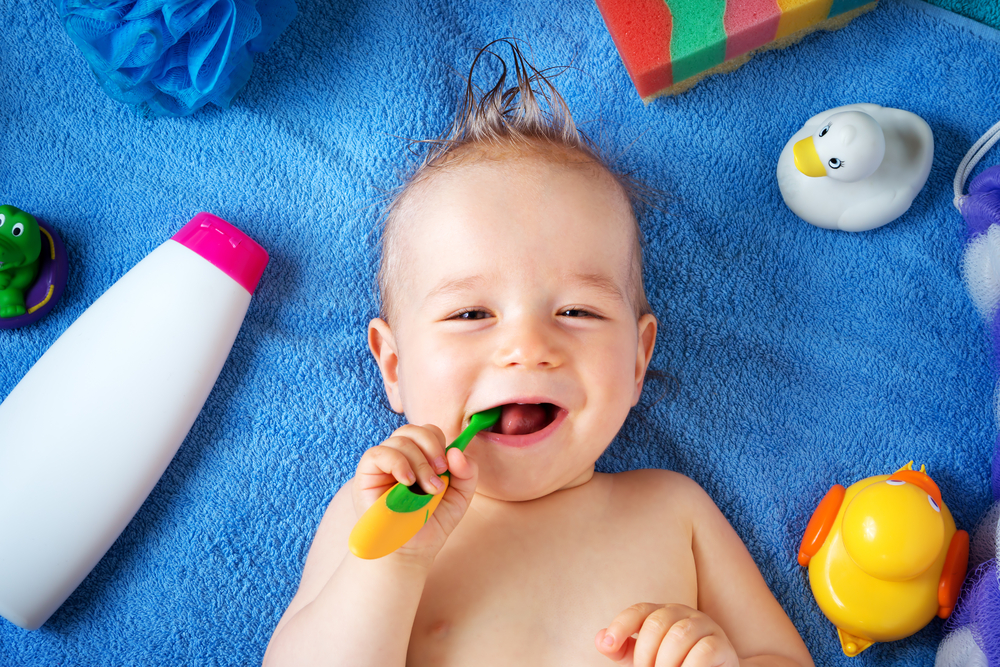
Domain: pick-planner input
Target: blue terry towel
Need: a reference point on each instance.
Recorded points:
(800, 357)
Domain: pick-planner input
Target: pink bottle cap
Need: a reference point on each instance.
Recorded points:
(225, 246)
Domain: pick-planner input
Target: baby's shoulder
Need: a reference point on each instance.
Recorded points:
(661, 490)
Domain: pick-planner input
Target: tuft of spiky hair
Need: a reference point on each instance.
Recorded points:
(530, 111)
(529, 117)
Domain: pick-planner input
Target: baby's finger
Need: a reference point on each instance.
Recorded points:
(623, 655)
(430, 439)
(382, 465)
(668, 635)
(418, 463)
(464, 473)
(712, 651)
(464, 476)
(625, 625)
(460, 465)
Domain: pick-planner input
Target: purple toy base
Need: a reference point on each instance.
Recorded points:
(48, 287)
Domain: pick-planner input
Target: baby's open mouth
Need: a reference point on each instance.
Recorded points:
(524, 418)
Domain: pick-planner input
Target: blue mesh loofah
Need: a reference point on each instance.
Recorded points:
(979, 610)
(172, 57)
(981, 207)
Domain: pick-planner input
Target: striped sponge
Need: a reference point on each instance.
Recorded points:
(669, 45)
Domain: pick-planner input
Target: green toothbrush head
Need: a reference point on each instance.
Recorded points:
(478, 422)
(485, 419)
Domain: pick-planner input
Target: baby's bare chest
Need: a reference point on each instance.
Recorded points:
(504, 595)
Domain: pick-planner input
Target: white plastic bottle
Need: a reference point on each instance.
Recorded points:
(90, 429)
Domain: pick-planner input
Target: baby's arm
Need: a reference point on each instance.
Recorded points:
(347, 611)
(350, 611)
(732, 592)
(737, 622)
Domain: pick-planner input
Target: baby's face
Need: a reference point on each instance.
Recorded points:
(515, 292)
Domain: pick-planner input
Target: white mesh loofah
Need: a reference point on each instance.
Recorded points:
(984, 544)
(981, 270)
(959, 649)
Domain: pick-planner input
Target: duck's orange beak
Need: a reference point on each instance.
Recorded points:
(807, 159)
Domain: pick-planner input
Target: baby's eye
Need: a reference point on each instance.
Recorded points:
(470, 314)
(576, 312)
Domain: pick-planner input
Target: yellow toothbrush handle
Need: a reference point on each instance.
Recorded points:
(380, 530)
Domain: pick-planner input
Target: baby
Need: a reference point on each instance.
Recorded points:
(511, 276)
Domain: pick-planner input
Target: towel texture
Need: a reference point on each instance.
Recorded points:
(799, 357)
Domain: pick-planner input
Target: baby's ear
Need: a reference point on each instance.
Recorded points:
(644, 351)
(383, 346)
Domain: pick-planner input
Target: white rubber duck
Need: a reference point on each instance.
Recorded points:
(855, 167)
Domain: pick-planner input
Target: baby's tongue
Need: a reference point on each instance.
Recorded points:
(521, 418)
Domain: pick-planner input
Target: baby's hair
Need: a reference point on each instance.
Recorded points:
(529, 118)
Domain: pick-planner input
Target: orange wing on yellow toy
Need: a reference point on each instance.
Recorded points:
(884, 557)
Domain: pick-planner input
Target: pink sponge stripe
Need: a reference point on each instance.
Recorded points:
(641, 31)
(750, 24)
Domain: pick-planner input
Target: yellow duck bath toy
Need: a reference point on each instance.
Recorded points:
(855, 167)
(884, 557)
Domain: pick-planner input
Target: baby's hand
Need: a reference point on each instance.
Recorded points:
(672, 635)
(417, 453)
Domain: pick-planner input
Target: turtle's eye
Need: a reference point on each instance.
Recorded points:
(823, 132)
(17, 230)
(3, 219)
(835, 163)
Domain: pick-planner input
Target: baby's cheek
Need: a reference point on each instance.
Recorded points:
(434, 380)
(620, 369)
(612, 384)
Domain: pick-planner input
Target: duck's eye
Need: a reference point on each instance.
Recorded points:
(835, 163)
(933, 504)
(895, 482)
(17, 229)
(823, 132)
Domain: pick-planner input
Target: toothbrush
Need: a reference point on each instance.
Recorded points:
(403, 510)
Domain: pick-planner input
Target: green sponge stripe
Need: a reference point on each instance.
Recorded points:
(841, 6)
(698, 41)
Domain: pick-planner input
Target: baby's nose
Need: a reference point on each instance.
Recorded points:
(528, 344)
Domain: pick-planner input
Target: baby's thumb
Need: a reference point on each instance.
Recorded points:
(464, 472)
(464, 475)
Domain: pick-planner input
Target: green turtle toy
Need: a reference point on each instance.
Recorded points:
(20, 245)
